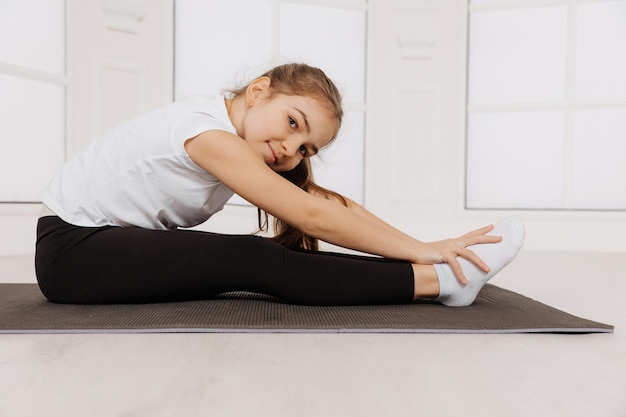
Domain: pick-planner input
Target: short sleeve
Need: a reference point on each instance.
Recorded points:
(190, 126)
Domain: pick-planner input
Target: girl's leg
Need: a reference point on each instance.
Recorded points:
(133, 265)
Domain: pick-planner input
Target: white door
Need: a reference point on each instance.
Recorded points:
(416, 115)
(119, 57)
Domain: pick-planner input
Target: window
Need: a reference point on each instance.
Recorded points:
(546, 105)
(32, 103)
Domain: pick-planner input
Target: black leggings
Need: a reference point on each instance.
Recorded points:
(104, 265)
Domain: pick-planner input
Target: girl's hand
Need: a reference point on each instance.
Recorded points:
(447, 251)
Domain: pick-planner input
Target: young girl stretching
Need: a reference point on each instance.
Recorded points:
(110, 228)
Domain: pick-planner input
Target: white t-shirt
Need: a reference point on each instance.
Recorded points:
(139, 174)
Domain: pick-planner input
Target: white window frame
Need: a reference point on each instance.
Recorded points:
(560, 229)
(569, 105)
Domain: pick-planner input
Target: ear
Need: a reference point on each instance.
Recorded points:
(257, 89)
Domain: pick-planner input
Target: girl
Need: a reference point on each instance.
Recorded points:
(110, 231)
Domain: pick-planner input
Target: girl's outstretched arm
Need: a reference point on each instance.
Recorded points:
(230, 159)
(440, 251)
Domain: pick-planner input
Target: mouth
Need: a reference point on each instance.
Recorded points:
(272, 153)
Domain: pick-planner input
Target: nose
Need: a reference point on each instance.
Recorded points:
(291, 155)
(291, 146)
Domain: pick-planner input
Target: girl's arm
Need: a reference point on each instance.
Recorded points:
(233, 162)
(435, 252)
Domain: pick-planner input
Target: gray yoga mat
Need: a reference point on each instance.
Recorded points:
(23, 309)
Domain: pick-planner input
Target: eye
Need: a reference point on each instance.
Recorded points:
(302, 150)
(293, 123)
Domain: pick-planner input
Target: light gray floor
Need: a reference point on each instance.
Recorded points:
(339, 375)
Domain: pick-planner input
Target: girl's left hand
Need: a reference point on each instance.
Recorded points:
(447, 251)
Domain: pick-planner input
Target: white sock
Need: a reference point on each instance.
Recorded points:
(495, 255)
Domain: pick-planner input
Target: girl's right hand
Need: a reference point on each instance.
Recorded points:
(447, 251)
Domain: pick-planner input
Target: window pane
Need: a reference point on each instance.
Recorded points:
(33, 136)
(220, 44)
(329, 38)
(599, 168)
(517, 55)
(340, 166)
(601, 52)
(32, 34)
(515, 160)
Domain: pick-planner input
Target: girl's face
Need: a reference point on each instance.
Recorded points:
(285, 129)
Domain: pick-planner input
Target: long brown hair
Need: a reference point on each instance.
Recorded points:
(302, 80)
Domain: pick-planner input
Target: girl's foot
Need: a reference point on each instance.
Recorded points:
(496, 255)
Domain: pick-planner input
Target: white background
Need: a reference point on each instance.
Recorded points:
(531, 122)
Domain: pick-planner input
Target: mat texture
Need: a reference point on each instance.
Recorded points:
(23, 309)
